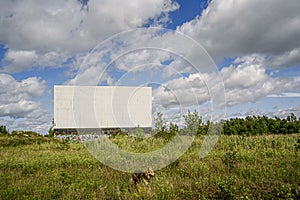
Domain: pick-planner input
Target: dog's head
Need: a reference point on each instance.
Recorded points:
(149, 173)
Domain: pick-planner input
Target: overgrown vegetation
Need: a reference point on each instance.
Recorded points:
(251, 125)
(3, 130)
(19, 138)
(247, 163)
(255, 167)
(257, 125)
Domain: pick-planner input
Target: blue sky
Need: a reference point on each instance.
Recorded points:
(49, 43)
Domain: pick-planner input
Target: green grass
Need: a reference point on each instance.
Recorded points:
(257, 167)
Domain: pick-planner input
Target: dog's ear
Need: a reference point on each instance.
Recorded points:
(150, 172)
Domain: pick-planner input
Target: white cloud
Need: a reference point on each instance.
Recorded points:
(245, 81)
(39, 25)
(138, 49)
(285, 94)
(139, 59)
(40, 124)
(14, 91)
(34, 29)
(17, 109)
(236, 28)
(248, 73)
(283, 113)
(249, 81)
(194, 90)
(178, 66)
(43, 33)
(17, 103)
(20, 60)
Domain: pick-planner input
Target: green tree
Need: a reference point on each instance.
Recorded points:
(50, 132)
(192, 123)
(292, 123)
(250, 126)
(3, 130)
(160, 123)
(173, 129)
(262, 125)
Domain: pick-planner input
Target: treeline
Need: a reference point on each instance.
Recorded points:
(251, 125)
(193, 124)
(256, 125)
(4, 131)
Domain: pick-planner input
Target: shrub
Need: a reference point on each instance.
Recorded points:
(297, 145)
(3, 130)
(284, 192)
(227, 188)
(230, 159)
(193, 123)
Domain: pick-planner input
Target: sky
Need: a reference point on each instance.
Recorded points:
(223, 58)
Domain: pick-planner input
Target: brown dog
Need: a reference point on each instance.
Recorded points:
(142, 176)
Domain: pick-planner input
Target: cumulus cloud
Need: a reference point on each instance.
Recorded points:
(178, 65)
(59, 33)
(15, 91)
(41, 27)
(286, 59)
(182, 91)
(41, 33)
(283, 113)
(237, 28)
(20, 60)
(17, 109)
(17, 102)
(137, 60)
(140, 49)
(38, 120)
(285, 94)
(44, 26)
(245, 81)
(249, 81)
(38, 25)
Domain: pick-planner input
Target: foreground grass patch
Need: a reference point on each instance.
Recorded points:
(257, 167)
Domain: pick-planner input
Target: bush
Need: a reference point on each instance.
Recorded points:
(25, 134)
(161, 130)
(230, 159)
(284, 192)
(19, 141)
(297, 145)
(3, 130)
(193, 123)
(227, 188)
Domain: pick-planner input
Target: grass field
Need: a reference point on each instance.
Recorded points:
(256, 167)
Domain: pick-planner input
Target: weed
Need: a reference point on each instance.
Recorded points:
(57, 169)
(284, 192)
(64, 144)
(244, 193)
(230, 159)
(227, 188)
(297, 145)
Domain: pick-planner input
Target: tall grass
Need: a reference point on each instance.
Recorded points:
(256, 167)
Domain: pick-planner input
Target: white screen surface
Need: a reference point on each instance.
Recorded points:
(102, 107)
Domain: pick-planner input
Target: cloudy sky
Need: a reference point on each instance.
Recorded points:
(239, 56)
